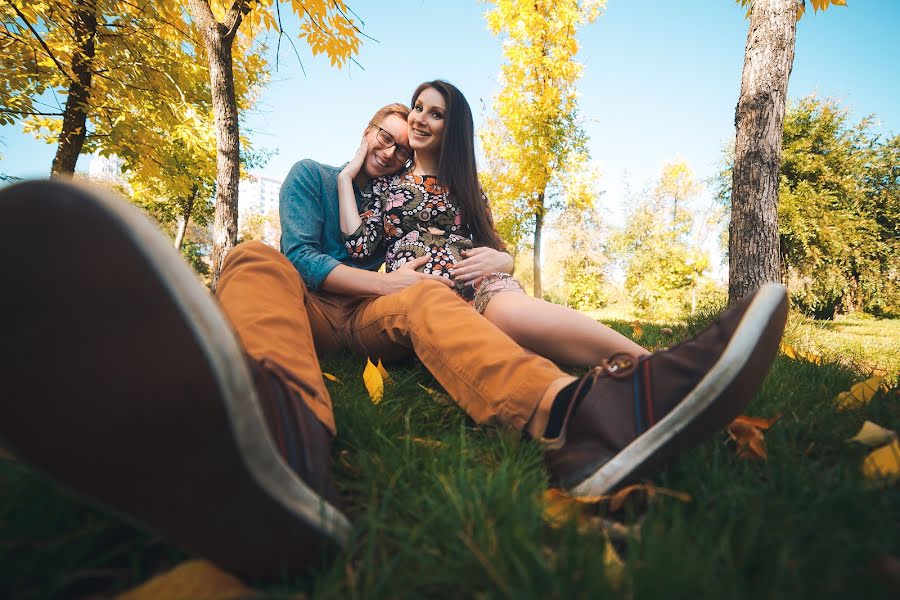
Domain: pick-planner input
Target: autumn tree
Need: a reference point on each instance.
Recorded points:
(768, 58)
(839, 211)
(326, 27)
(535, 136)
(660, 247)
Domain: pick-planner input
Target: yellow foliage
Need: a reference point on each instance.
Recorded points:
(873, 435)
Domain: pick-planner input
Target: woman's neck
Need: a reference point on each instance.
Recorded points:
(425, 164)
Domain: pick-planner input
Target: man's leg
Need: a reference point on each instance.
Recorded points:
(625, 419)
(488, 374)
(124, 381)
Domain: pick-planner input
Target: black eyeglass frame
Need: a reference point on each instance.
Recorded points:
(404, 154)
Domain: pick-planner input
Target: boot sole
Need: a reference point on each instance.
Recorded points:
(128, 386)
(732, 381)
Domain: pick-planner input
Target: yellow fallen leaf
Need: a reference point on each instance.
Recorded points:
(191, 580)
(873, 435)
(374, 382)
(436, 395)
(384, 374)
(5, 455)
(858, 395)
(747, 433)
(330, 377)
(614, 565)
(637, 329)
(883, 464)
(795, 354)
(427, 442)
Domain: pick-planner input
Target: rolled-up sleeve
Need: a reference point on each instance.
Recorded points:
(302, 222)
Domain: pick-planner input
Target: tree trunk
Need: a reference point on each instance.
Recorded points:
(185, 218)
(538, 227)
(218, 39)
(753, 250)
(74, 126)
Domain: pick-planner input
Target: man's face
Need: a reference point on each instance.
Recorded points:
(383, 158)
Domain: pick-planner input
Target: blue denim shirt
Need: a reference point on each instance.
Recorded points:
(310, 223)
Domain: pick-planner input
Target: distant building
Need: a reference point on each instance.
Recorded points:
(258, 209)
(258, 195)
(105, 168)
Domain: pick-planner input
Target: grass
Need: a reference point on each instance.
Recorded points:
(445, 508)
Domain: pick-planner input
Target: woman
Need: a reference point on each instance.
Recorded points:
(436, 208)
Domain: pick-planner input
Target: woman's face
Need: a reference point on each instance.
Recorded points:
(426, 121)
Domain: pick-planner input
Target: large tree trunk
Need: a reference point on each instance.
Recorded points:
(538, 230)
(753, 255)
(74, 126)
(218, 39)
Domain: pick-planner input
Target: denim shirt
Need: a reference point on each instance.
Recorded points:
(310, 223)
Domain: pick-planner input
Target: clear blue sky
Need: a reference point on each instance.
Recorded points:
(661, 80)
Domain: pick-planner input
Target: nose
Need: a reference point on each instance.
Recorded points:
(391, 152)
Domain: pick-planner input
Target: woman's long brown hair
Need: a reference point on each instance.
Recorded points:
(456, 166)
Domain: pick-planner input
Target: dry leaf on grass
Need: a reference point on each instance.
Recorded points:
(384, 374)
(5, 455)
(560, 507)
(374, 381)
(859, 395)
(882, 466)
(637, 329)
(191, 580)
(795, 354)
(330, 377)
(873, 435)
(747, 432)
(613, 563)
(436, 395)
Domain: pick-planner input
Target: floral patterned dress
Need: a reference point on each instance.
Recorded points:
(414, 216)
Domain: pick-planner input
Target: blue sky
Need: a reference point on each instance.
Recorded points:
(661, 80)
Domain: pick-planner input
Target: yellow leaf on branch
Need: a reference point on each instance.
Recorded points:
(883, 464)
(873, 435)
(374, 382)
(858, 395)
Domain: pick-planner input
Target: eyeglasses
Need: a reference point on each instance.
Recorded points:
(387, 140)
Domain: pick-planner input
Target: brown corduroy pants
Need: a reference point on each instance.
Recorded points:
(277, 319)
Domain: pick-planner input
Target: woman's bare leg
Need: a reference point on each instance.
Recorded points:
(564, 335)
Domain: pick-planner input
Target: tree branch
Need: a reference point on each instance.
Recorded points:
(40, 40)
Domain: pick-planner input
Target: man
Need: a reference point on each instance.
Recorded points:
(210, 423)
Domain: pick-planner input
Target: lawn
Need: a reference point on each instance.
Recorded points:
(445, 508)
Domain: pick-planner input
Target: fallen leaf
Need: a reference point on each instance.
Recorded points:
(330, 377)
(859, 395)
(436, 395)
(747, 432)
(384, 374)
(613, 564)
(617, 500)
(374, 382)
(637, 329)
(883, 464)
(5, 455)
(873, 435)
(795, 354)
(191, 580)
(666, 331)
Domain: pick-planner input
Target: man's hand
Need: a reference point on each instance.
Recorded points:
(480, 262)
(407, 275)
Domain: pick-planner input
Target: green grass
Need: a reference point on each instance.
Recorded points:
(445, 508)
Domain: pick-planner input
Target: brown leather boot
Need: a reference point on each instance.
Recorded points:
(124, 382)
(631, 416)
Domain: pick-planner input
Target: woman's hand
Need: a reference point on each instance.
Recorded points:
(480, 262)
(356, 163)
